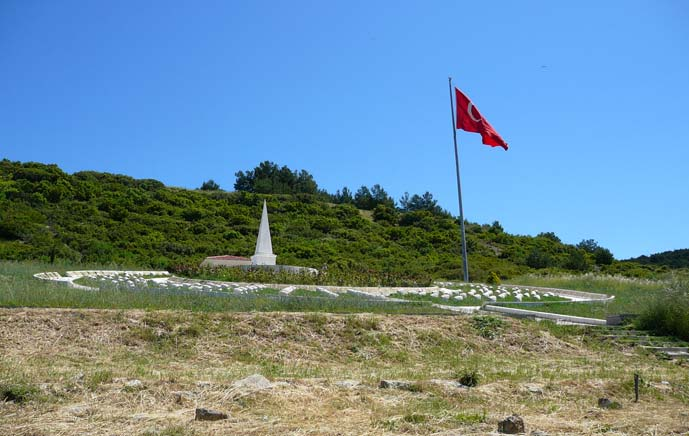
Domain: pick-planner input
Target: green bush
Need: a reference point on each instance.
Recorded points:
(668, 315)
(493, 279)
(17, 392)
(468, 378)
(488, 326)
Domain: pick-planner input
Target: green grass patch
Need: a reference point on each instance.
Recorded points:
(98, 378)
(632, 295)
(309, 293)
(17, 392)
(489, 327)
(19, 289)
(468, 418)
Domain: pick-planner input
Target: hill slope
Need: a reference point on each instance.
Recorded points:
(670, 259)
(106, 218)
(144, 372)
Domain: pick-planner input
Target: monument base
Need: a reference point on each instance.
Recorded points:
(263, 259)
(281, 268)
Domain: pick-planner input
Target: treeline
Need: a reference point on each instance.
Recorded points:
(114, 219)
(270, 178)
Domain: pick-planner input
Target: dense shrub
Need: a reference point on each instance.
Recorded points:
(669, 314)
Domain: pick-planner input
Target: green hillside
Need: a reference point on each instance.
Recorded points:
(671, 259)
(93, 217)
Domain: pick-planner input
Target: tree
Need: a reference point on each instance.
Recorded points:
(539, 259)
(380, 197)
(576, 261)
(549, 235)
(603, 256)
(344, 197)
(268, 178)
(210, 185)
(363, 198)
(419, 202)
(496, 228)
(588, 245)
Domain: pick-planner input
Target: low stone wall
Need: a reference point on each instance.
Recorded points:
(521, 313)
(279, 268)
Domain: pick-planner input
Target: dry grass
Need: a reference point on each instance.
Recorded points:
(80, 361)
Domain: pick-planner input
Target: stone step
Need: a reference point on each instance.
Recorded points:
(677, 354)
(668, 349)
(622, 332)
(651, 338)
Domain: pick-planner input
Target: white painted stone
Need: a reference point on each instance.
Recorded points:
(288, 290)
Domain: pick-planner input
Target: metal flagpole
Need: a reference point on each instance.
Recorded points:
(465, 263)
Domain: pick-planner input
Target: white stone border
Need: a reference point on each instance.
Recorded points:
(71, 276)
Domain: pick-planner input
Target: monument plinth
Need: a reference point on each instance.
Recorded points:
(264, 246)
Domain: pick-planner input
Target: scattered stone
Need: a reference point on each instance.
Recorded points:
(80, 411)
(593, 414)
(348, 384)
(534, 388)
(209, 415)
(511, 425)
(605, 403)
(203, 384)
(538, 433)
(399, 384)
(181, 396)
(134, 385)
(662, 386)
(452, 384)
(254, 382)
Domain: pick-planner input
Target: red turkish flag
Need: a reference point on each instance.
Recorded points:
(469, 119)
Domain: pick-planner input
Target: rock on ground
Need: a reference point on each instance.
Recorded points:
(254, 382)
(209, 415)
(511, 425)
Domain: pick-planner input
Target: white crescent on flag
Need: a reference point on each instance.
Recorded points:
(471, 105)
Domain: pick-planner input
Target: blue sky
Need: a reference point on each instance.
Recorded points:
(591, 96)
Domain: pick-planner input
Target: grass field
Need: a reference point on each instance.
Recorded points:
(19, 289)
(631, 295)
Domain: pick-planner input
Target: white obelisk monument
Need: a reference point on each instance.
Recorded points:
(264, 247)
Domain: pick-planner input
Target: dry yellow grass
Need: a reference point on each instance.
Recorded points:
(81, 361)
